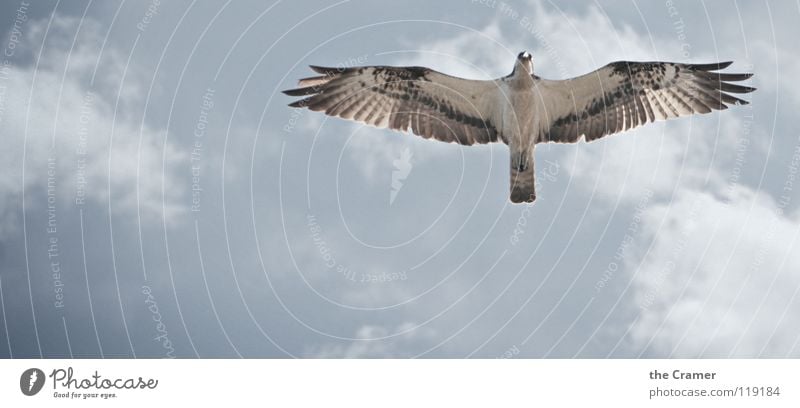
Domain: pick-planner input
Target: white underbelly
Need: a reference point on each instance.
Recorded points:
(519, 119)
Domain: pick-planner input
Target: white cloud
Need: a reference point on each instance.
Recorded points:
(474, 53)
(719, 279)
(44, 103)
(375, 151)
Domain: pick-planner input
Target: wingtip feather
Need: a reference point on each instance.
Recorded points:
(713, 66)
(308, 90)
(302, 103)
(327, 70)
(313, 81)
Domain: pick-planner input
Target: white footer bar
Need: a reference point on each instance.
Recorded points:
(401, 383)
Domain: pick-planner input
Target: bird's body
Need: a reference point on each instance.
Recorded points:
(521, 126)
(520, 109)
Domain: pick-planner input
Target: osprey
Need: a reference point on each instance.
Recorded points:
(520, 109)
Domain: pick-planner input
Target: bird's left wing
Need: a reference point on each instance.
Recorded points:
(426, 102)
(623, 95)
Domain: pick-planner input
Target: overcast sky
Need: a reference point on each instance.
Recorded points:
(159, 199)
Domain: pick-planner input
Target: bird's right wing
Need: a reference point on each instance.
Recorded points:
(623, 95)
(426, 102)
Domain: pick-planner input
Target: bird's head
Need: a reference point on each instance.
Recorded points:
(525, 60)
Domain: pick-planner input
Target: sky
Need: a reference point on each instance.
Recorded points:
(159, 199)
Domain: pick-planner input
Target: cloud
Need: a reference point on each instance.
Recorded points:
(719, 279)
(484, 53)
(53, 111)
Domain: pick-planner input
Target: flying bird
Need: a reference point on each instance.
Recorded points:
(520, 109)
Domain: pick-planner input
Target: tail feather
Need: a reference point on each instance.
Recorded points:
(522, 178)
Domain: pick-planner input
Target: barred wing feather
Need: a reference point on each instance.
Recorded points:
(416, 99)
(624, 95)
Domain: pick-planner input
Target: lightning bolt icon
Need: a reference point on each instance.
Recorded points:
(32, 380)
